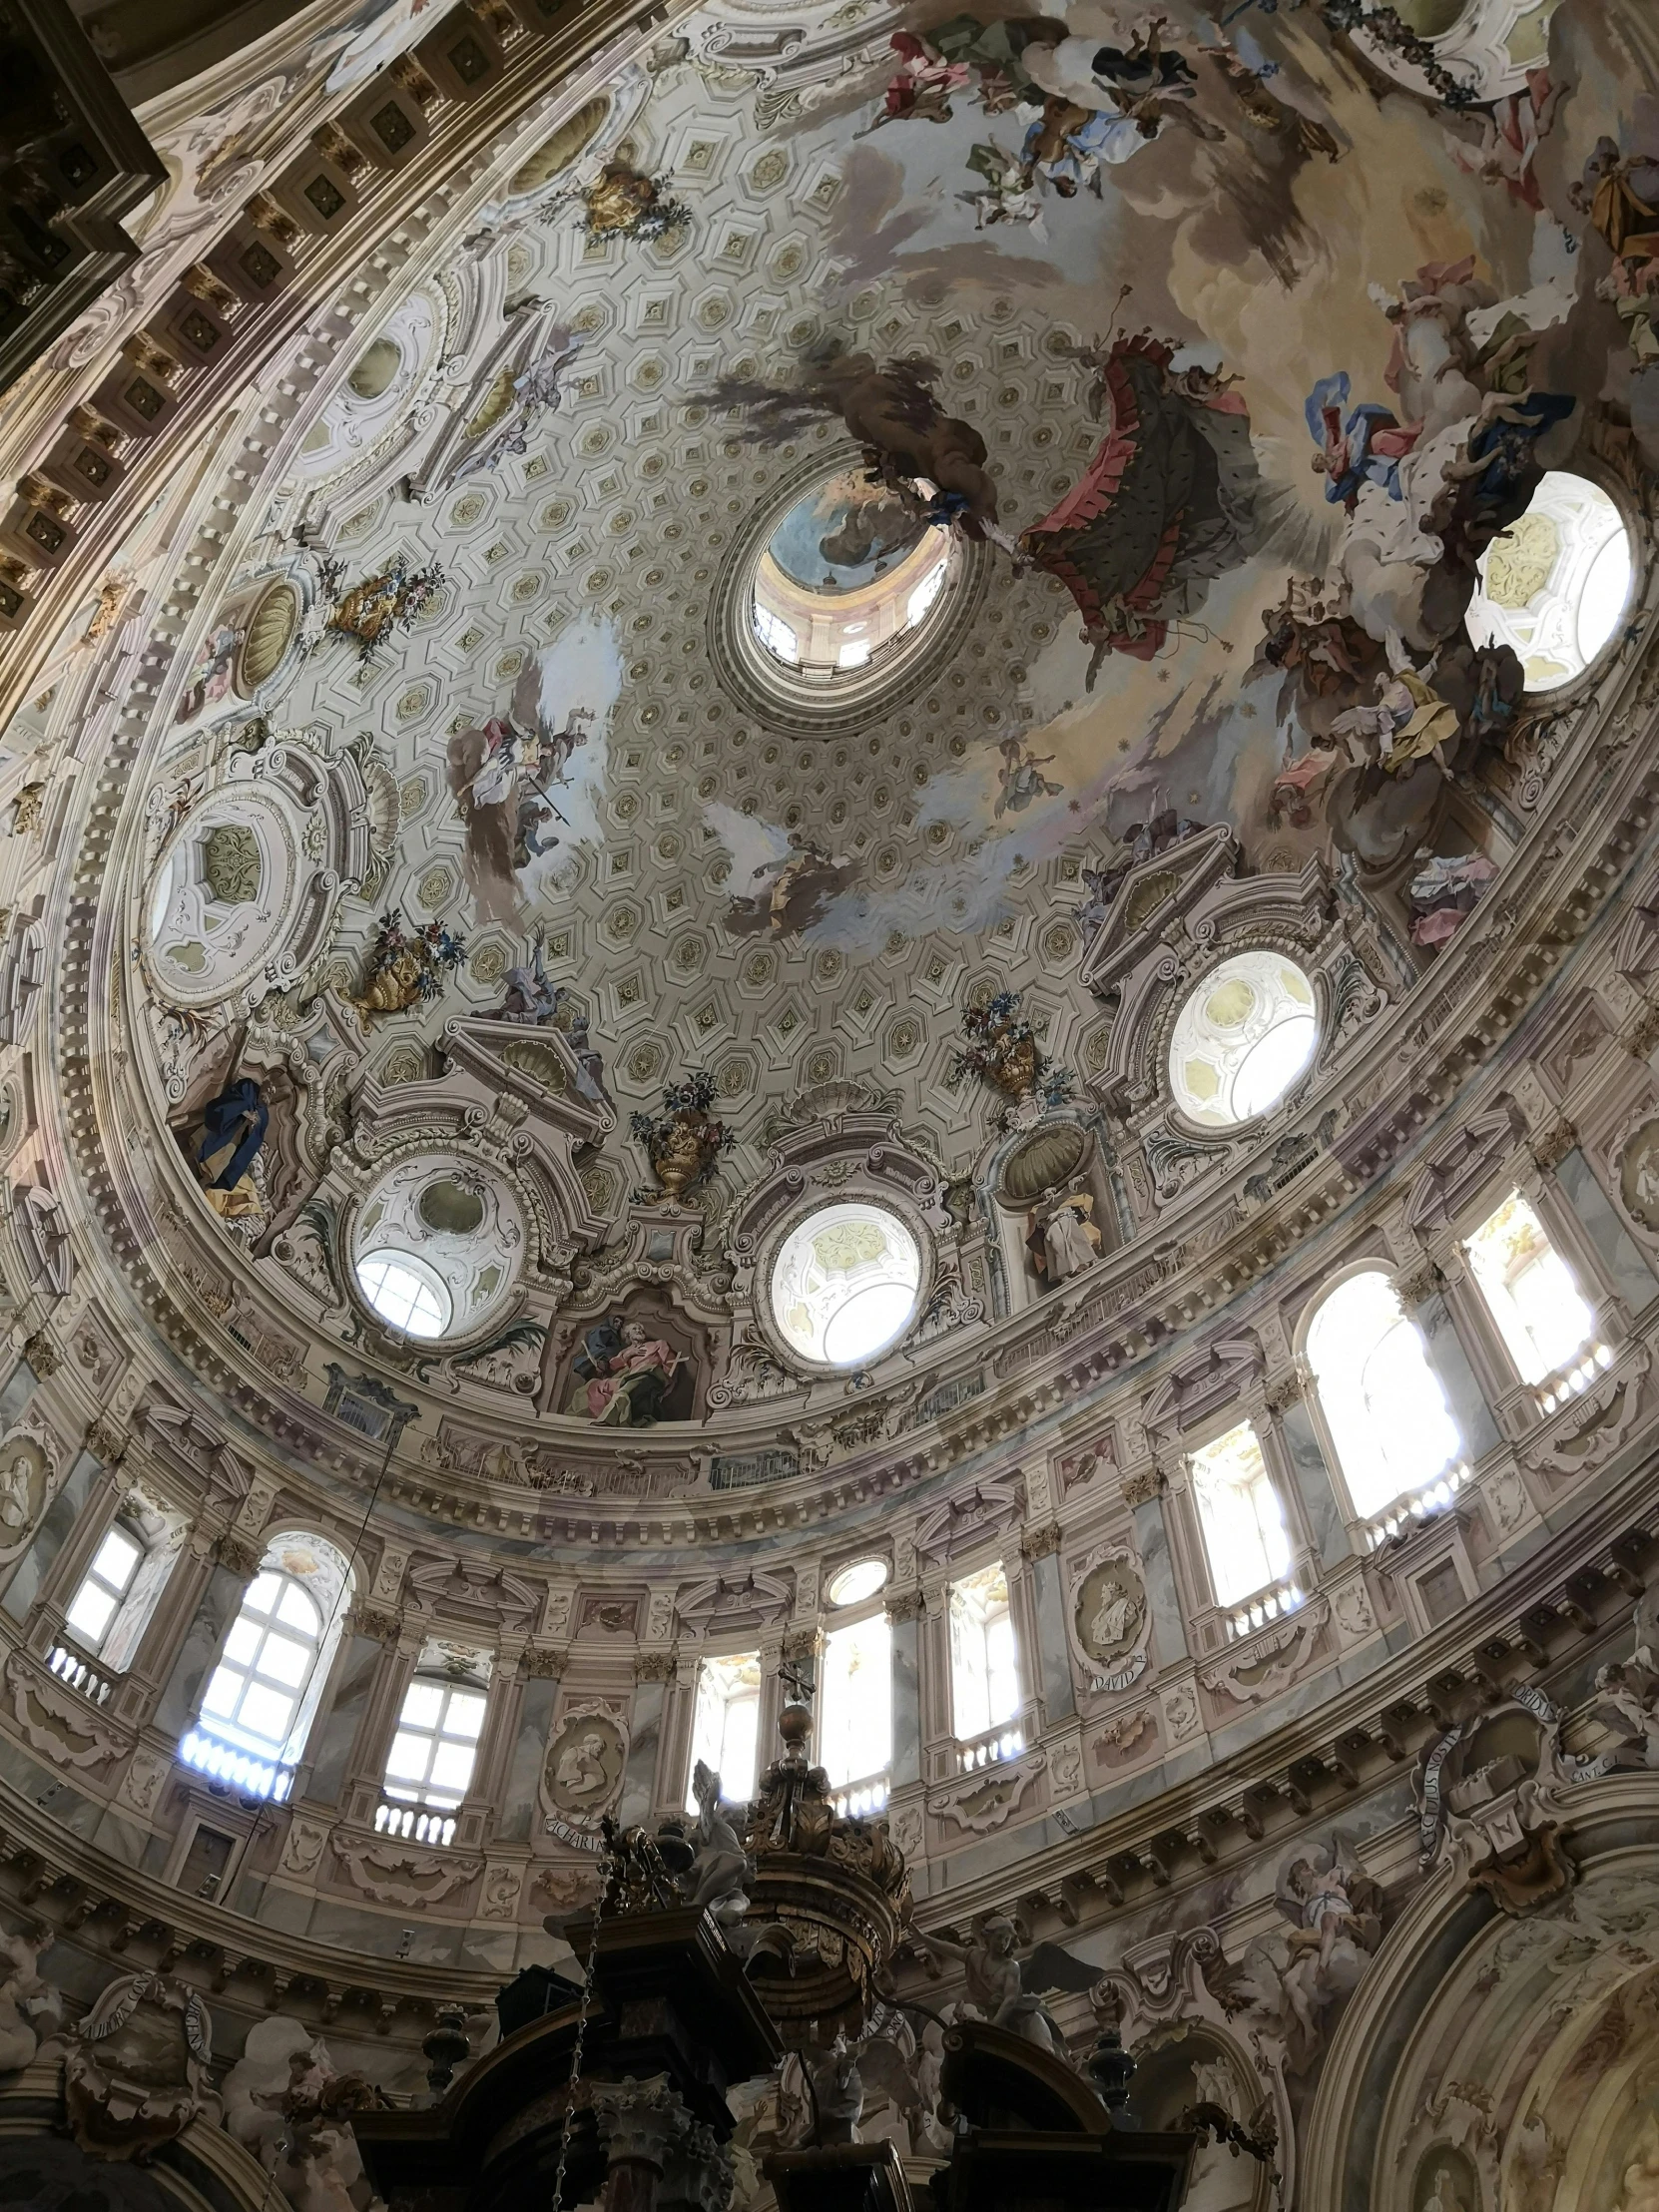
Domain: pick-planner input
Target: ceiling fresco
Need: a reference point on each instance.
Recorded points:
(1217, 359)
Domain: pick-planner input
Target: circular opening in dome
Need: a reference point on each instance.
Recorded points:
(450, 1210)
(1556, 583)
(845, 1284)
(849, 577)
(852, 1584)
(1242, 1038)
(405, 1292)
(370, 375)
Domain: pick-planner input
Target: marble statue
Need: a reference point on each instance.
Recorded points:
(716, 1881)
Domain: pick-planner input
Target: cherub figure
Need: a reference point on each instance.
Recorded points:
(30, 2008)
(995, 1979)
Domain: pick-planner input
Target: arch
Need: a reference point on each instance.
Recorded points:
(1391, 1433)
(263, 1695)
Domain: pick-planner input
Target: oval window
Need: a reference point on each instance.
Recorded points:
(845, 1284)
(1243, 1037)
(850, 1585)
(1556, 583)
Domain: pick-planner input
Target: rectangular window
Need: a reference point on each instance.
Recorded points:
(856, 1703)
(437, 1746)
(984, 1666)
(726, 1725)
(102, 1587)
(1240, 1513)
(1529, 1292)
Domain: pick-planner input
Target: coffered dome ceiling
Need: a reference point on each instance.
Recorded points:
(831, 848)
(742, 620)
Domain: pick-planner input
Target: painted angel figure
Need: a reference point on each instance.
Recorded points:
(499, 774)
(1335, 1913)
(1009, 195)
(997, 1983)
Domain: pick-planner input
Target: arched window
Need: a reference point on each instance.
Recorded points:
(116, 1596)
(855, 1712)
(1242, 1524)
(1547, 1324)
(984, 1666)
(726, 1726)
(1381, 1400)
(262, 1696)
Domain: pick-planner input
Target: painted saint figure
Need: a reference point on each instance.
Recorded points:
(625, 1373)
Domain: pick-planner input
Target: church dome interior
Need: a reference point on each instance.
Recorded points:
(829, 1106)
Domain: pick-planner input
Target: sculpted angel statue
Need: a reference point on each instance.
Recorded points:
(997, 1987)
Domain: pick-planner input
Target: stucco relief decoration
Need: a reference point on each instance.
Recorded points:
(26, 1476)
(992, 1798)
(1110, 1621)
(1638, 1172)
(1490, 1795)
(393, 1876)
(582, 1774)
(56, 1723)
(136, 2068)
(1258, 1668)
(31, 2007)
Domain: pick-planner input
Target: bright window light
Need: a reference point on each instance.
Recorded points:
(853, 653)
(726, 1726)
(927, 593)
(776, 636)
(436, 1744)
(1381, 1400)
(984, 1665)
(102, 1587)
(1243, 1034)
(850, 1585)
(1239, 1512)
(856, 1701)
(1555, 584)
(1529, 1291)
(845, 1283)
(404, 1292)
(266, 1663)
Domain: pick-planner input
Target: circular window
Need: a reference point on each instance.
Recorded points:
(845, 1284)
(405, 1292)
(1241, 1040)
(851, 575)
(437, 1246)
(840, 599)
(852, 1584)
(1556, 583)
